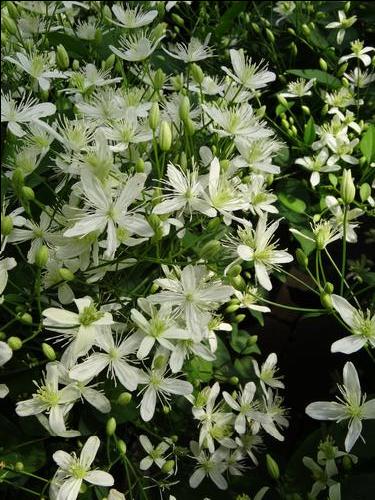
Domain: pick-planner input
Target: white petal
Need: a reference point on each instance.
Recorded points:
(245, 252)
(262, 275)
(176, 386)
(354, 432)
(145, 347)
(89, 368)
(348, 345)
(351, 380)
(219, 480)
(196, 478)
(63, 459)
(343, 307)
(99, 477)
(89, 451)
(69, 489)
(148, 404)
(146, 463)
(127, 375)
(97, 399)
(325, 410)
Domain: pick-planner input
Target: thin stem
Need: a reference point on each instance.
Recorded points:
(301, 309)
(343, 265)
(32, 492)
(339, 273)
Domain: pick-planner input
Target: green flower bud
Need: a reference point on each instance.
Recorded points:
(234, 271)
(83, 488)
(166, 410)
(154, 221)
(306, 29)
(210, 250)
(232, 308)
(140, 166)
(18, 179)
(109, 62)
(18, 466)
(110, 427)
(9, 25)
(282, 100)
(75, 65)
(6, 225)
(154, 116)
(293, 49)
(323, 65)
(328, 287)
(255, 28)
(306, 110)
(15, 343)
(291, 31)
(41, 256)
(189, 127)
(285, 123)
(347, 187)
(124, 398)
(234, 380)
(183, 160)
(342, 69)
(27, 193)
(270, 35)
(238, 282)
(159, 362)
(224, 164)
(168, 467)
(48, 351)
(121, 446)
(197, 73)
(345, 82)
(239, 318)
(154, 288)
(177, 19)
(107, 12)
(272, 467)
(347, 462)
(26, 319)
(62, 58)
(159, 30)
(213, 224)
(243, 496)
(252, 340)
(333, 179)
(2, 335)
(294, 130)
(165, 136)
(326, 300)
(12, 10)
(184, 108)
(159, 79)
(66, 274)
(365, 191)
(362, 160)
(347, 7)
(302, 259)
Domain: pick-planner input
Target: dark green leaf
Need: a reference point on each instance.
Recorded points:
(320, 76)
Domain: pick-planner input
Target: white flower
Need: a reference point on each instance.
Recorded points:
(248, 298)
(5, 355)
(114, 358)
(257, 154)
(133, 18)
(323, 233)
(299, 88)
(274, 414)
(37, 66)
(26, 111)
(342, 24)
(359, 78)
(237, 121)
(247, 407)
(251, 76)
(192, 52)
(358, 52)
(211, 465)
(136, 47)
(266, 374)
(73, 470)
(318, 163)
(360, 323)
(5, 266)
(49, 398)
(86, 79)
(195, 292)
(84, 327)
(285, 9)
(108, 211)
(352, 406)
(323, 478)
(257, 246)
(184, 192)
(335, 208)
(127, 130)
(256, 194)
(154, 454)
(157, 384)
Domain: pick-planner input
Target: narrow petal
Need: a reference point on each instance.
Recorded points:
(345, 310)
(348, 345)
(89, 451)
(148, 404)
(354, 432)
(325, 410)
(99, 477)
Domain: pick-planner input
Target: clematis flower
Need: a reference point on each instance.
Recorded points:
(73, 471)
(299, 88)
(358, 52)
(251, 76)
(154, 453)
(352, 406)
(211, 465)
(342, 24)
(338, 219)
(192, 52)
(137, 47)
(132, 18)
(266, 373)
(361, 323)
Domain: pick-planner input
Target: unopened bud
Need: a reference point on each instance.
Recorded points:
(347, 462)
(270, 35)
(306, 29)
(234, 380)
(12, 10)
(291, 31)
(232, 308)
(75, 65)
(121, 446)
(15, 343)
(159, 79)
(140, 166)
(18, 466)
(110, 427)
(41, 256)
(6, 225)
(48, 351)
(189, 127)
(365, 191)
(66, 274)
(124, 398)
(27, 193)
(328, 287)
(18, 178)
(342, 69)
(159, 362)
(165, 136)
(347, 187)
(234, 271)
(238, 282)
(210, 250)
(252, 340)
(293, 49)
(326, 300)
(239, 318)
(255, 28)
(302, 259)
(154, 116)
(177, 19)
(109, 62)
(306, 110)
(333, 179)
(168, 467)
(184, 108)
(166, 410)
(197, 73)
(62, 58)
(282, 100)
(323, 65)
(272, 467)
(10, 25)
(26, 319)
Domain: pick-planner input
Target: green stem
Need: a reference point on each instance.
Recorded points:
(301, 309)
(339, 273)
(343, 265)
(32, 492)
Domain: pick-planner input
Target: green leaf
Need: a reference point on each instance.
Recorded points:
(367, 144)
(320, 76)
(199, 369)
(307, 245)
(293, 203)
(229, 18)
(32, 456)
(309, 134)
(280, 108)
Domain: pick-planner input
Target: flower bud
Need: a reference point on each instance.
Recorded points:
(328, 287)
(83, 488)
(12, 10)
(121, 446)
(255, 28)
(168, 467)
(306, 110)
(109, 62)
(166, 410)
(177, 19)
(294, 130)
(124, 398)
(213, 224)
(323, 65)
(333, 179)
(140, 166)
(26, 319)
(347, 187)
(154, 288)
(6, 225)
(342, 69)
(365, 191)
(306, 29)
(41, 256)
(2, 335)
(27, 193)
(234, 380)
(293, 49)
(272, 467)
(75, 65)
(159, 30)
(159, 362)
(285, 123)
(270, 35)
(183, 160)
(302, 258)
(159, 79)
(66, 274)
(238, 282)
(189, 127)
(252, 340)
(234, 271)
(15, 343)
(232, 308)
(239, 318)
(184, 108)
(346, 462)
(326, 300)
(62, 58)
(197, 73)
(9, 25)
(48, 351)
(347, 7)
(154, 116)
(165, 136)
(210, 250)
(291, 31)
(110, 427)
(282, 100)
(107, 12)
(18, 466)
(18, 179)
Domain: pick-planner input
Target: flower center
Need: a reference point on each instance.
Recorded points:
(89, 315)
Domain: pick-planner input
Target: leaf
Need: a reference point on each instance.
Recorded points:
(309, 133)
(293, 203)
(320, 76)
(199, 369)
(307, 245)
(280, 108)
(229, 17)
(367, 144)
(32, 456)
